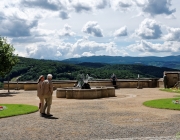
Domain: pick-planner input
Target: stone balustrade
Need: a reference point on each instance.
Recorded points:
(121, 83)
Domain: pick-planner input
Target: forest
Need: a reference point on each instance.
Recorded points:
(167, 61)
(28, 69)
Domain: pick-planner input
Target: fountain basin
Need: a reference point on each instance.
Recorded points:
(93, 93)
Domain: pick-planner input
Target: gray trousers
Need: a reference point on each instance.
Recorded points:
(48, 102)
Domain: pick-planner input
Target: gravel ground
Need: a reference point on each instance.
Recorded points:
(120, 118)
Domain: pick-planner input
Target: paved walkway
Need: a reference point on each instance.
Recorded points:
(121, 118)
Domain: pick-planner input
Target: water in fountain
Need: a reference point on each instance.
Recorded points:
(83, 81)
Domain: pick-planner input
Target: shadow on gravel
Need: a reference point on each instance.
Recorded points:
(50, 117)
(104, 98)
(6, 94)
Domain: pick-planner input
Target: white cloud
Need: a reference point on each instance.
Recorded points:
(41, 25)
(121, 32)
(145, 46)
(100, 4)
(92, 28)
(83, 47)
(157, 7)
(121, 4)
(114, 51)
(27, 40)
(173, 34)
(149, 29)
(81, 5)
(146, 54)
(44, 4)
(88, 5)
(66, 31)
(58, 54)
(42, 32)
(87, 54)
(64, 15)
(16, 27)
(31, 50)
(140, 3)
(46, 51)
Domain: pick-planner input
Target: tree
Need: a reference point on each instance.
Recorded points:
(7, 58)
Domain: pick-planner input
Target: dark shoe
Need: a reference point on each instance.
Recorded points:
(42, 114)
(49, 115)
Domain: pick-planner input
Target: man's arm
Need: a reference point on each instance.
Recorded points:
(51, 87)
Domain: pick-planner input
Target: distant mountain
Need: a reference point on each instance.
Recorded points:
(91, 64)
(28, 69)
(168, 61)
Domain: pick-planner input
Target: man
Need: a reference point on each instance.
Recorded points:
(47, 88)
(114, 79)
(165, 80)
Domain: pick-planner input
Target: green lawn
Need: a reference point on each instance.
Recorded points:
(17, 109)
(171, 90)
(163, 104)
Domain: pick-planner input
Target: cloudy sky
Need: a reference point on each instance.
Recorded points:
(61, 29)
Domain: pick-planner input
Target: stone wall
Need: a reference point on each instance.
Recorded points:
(172, 78)
(14, 85)
(160, 83)
(121, 83)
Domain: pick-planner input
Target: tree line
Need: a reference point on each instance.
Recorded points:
(28, 69)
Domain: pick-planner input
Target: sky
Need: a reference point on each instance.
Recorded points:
(62, 29)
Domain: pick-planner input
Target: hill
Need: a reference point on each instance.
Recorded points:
(29, 69)
(168, 61)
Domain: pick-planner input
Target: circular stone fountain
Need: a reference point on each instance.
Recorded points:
(78, 93)
(84, 91)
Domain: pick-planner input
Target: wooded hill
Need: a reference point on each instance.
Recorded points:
(168, 61)
(29, 69)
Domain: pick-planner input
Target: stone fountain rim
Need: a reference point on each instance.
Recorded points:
(93, 88)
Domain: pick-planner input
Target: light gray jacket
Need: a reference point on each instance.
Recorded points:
(47, 88)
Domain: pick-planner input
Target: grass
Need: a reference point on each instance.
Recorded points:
(163, 104)
(171, 90)
(17, 109)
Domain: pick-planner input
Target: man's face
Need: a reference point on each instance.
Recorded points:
(49, 78)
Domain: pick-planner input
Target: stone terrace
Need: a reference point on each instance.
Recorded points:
(122, 117)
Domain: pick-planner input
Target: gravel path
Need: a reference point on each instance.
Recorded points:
(120, 118)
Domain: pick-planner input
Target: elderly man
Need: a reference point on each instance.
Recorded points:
(47, 88)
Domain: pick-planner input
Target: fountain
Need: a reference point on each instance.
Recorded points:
(83, 90)
(83, 81)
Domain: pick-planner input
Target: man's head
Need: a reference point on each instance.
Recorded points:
(49, 76)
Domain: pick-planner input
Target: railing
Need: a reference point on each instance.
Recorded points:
(121, 83)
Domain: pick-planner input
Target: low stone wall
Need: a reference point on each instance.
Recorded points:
(149, 83)
(161, 83)
(77, 93)
(121, 83)
(13, 85)
(30, 86)
(62, 84)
